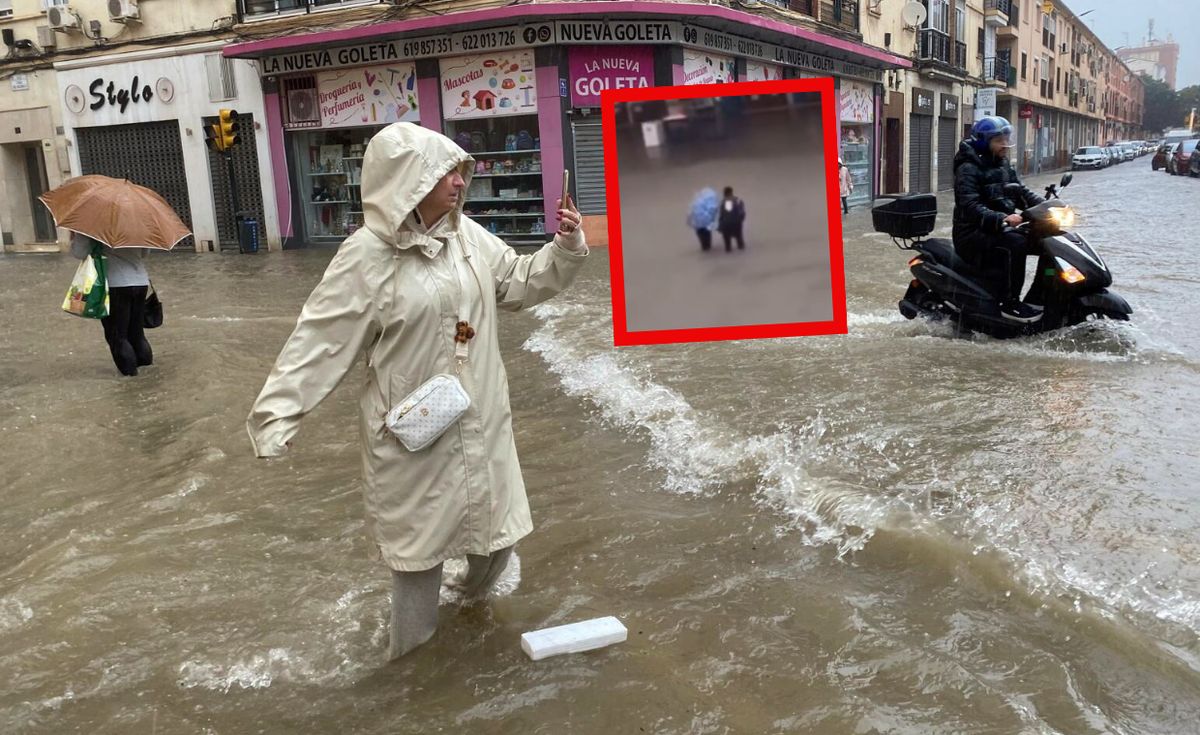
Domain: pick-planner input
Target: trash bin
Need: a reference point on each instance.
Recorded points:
(247, 234)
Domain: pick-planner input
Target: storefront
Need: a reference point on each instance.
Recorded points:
(920, 141)
(593, 69)
(141, 116)
(522, 99)
(856, 137)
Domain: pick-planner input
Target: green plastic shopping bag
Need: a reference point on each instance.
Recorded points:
(88, 294)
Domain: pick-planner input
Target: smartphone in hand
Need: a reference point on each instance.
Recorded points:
(566, 188)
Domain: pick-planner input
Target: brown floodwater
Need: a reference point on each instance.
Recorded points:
(891, 531)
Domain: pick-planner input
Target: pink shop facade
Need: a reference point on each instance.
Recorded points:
(518, 87)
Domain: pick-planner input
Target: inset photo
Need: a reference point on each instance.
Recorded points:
(724, 211)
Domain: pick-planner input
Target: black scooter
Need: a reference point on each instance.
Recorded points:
(1071, 283)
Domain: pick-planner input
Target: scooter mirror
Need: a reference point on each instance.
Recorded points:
(1066, 179)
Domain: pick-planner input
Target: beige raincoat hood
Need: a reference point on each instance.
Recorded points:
(390, 298)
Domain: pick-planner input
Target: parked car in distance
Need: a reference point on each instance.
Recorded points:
(1171, 148)
(1115, 154)
(1160, 156)
(1181, 157)
(1194, 164)
(1130, 151)
(1088, 157)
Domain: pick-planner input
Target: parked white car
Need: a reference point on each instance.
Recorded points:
(1091, 156)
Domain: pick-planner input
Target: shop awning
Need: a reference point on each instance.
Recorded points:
(778, 41)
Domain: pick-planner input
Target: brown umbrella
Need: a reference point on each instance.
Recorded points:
(116, 212)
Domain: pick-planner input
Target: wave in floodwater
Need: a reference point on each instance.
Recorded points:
(699, 455)
(1100, 341)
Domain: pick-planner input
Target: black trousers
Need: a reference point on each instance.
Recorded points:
(705, 236)
(123, 329)
(845, 206)
(1000, 258)
(731, 232)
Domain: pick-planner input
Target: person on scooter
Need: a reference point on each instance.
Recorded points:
(985, 215)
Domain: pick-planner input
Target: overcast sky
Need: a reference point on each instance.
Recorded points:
(1123, 23)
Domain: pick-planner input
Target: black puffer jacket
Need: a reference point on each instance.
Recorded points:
(980, 202)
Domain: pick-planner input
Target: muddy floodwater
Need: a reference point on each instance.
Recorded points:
(891, 531)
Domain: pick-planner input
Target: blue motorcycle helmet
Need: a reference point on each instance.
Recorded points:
(983, 131)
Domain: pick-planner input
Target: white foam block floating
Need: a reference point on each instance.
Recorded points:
(585, 635)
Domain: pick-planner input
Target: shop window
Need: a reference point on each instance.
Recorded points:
(505, 195)
(329, 167)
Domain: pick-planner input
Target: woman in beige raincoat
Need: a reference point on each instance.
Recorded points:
(392, 295)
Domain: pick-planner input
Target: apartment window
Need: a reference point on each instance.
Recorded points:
(47, 4)
(5, 8)
(960, 23)
(939, 11)
(1057, 80)
(981, 43)
(1024, 59)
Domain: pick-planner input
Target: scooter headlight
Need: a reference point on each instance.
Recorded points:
(1063, 217)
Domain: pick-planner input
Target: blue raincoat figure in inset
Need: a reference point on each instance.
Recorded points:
(702, 216)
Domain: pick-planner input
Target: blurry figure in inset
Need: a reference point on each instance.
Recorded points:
(733, 214)
(845, 184)
(702, 215)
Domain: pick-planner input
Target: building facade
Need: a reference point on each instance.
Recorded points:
(125, 89)
(1156, 59)
(519, 87)
(1058, 83)
(929, 108)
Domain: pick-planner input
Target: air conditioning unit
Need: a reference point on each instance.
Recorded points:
(120, 11)
(62, 18)
(302, 105)
(46, 37)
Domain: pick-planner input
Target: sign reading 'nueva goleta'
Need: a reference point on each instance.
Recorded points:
(591, 32)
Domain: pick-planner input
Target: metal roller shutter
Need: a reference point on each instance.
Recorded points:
(149, 154)
(947, 146)
(245, 170)
(920, 154)
(589, 167)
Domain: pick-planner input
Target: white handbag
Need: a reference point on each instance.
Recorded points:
(426, 413)
(438, 403)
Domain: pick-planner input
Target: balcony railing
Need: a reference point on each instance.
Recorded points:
(264, 8)
(1004, 6)
(996, 69)
(934, 46)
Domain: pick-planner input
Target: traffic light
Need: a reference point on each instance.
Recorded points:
(212, 137)
(227, 128)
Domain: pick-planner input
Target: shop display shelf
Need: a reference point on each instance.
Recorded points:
(352, 158)
(516, 214)
(492, 176)
(506, 153)
(334, 201)
(326, 173)
(503, 199)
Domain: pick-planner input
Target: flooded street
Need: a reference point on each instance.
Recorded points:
(891, 531)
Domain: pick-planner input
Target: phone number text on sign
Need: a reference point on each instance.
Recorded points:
(487, 40)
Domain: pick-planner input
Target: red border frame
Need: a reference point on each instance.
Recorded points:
(621, 334)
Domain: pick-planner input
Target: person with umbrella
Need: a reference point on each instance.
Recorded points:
(118, 220)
